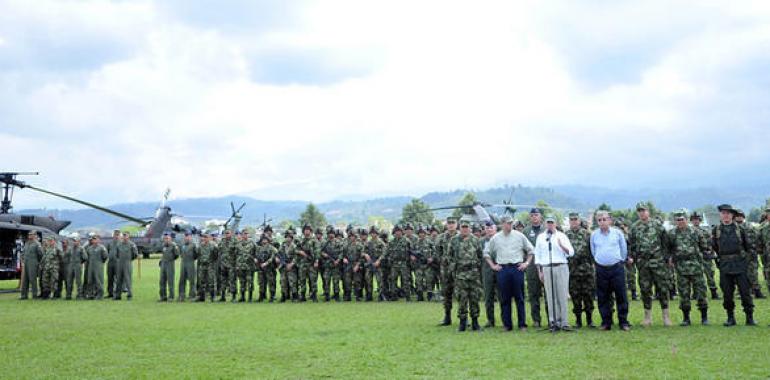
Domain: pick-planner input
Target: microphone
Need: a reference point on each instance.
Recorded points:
(548, 239)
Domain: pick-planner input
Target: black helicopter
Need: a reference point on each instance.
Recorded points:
(14, 227)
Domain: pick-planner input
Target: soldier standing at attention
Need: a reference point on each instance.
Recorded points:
(764, 247)
(753, 259)
(534, 286)
(489, 276)
(49, 267)
(74, 258)
(375, 249)
(447, 268)
(97, 256)
(326, 261)
(352, 280)
(60, 276)
(31, 256)
(708, 254)
(397, 254)
(189, 253)
(687, 247)
(245, 265)
(112, 262)
(731, 245)
(307, 248)
(648, 247)
(423, 248)
(169, 254)
(467, 252)
(266, 255)
(433, 277)
(582, 276)
(207, 275)
(126, 252)
(288, 269)
(226, 261)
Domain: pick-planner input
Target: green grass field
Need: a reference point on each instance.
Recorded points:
(145, 339)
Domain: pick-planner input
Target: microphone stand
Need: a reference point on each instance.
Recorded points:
(554, 326)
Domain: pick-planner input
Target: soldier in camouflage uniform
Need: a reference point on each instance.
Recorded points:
(352, 270)
(207, 274)
(126, 252)
(375, 249)
(764, 247)
(169, 254)
(582, 276)
(708, 254)
(226, 263)
(97, 256)
(384, 269)
(59, 286)
(411, 260)
(648, 247)
(245, 265)
(535, 289)
(730, 243)
(687, 246)
(308, 251)
(753, 268)
(31, 256)
(466, 252)
(112, 262)
(326, 261)
(631, 272)
(74, 257)
(189, 253)
(447, 268)
(397, 254)
(421, 250)
(433, 272)
(287, 256)
(489, 277)
(49, 267)
(266, 254)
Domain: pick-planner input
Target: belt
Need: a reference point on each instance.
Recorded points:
(613, 266)
(509, 265)
(552, 265)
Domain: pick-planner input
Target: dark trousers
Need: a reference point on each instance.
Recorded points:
(728, 282)
(612, 281)
(511, 284)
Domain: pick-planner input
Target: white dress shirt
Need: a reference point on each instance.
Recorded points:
(510, 248)
(542, 255)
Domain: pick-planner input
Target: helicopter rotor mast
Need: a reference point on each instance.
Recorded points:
(9, 181)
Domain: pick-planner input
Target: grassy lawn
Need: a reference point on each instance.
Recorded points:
(144, 339)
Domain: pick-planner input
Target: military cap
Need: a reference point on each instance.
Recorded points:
(319, 231)
(115, 232)
(727, 207)
(489, 223)
(349, 228)
(75, 236)
(695, 215)
(550, 218)
(421, 230)
(373, 230)
(535, 210)
(288, 234)
(205, 234)
(263, 238)
(48, 238)
(465, 223)
(642, 206)
(451, 219)
(384, 235)
(506, 219)
(680, 214)
(93, 236)
(268, 228)
(408, 227)
(307, 227)
(475, 228)
(739, 212)
(767, 209)
(396, 228)
(518, 224)
(30, 233)
(187, 233)
(574, 215)
(338, 233)
(329, 228)
(166, 234)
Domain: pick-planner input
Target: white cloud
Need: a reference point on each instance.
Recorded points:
(443, 96)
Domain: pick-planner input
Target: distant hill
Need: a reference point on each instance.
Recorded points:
(572, 197)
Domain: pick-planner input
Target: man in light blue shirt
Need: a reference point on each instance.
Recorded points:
(610, 252)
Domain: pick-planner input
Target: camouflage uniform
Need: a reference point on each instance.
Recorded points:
(708, 261)
(582, 276)
(764, 250)
(397, 255)
(97, 256)
(207, 275)
(648, 246)
(126, 252)
(433, 272)
(112, 265)
(306, 268)
(74, 258)
(189, 253)
(414, 266)
(466, 253)
(169, 254)
(228, 251)
(375, 248)
(422, 249)
(447, 269)
(352, 281)
(49, 269)
(266, 254)
(31, 256)
(489, 280)
(328, 257)
(287, 254)
(245, 267)
(535, 289)
(752, 239)
(687, 247)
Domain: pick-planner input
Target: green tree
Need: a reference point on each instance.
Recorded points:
(417, 212)
(467, 200)
(380, 222)
(312, 216)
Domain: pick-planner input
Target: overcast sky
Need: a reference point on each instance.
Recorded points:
(115, 101)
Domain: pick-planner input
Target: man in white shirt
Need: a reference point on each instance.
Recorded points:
(551, 252)
(513, 254)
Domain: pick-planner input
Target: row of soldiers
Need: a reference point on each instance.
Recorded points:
(51, 269)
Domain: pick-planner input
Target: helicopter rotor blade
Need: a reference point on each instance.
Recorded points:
(100, 208)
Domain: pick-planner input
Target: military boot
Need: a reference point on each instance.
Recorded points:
(666, 318)
(222, 297)
(336, 297)
(634, 297)
(447, 318)
(704, 317)
(685, 318)
(490, 323)
(420, 297)
(750, 319)
(261, 297)
(463, 325)
(369, 297)
(302, 298)
(758, 293)
(714, 294)
(233, 299)
(730, 319)
(283, 298)
(272, 297)
(251, 293)
(430, 296)
(243, 296)
(200, 298)
(578, 320)
(647, 322)
(589, 320)
(313, 297)
(475, 324)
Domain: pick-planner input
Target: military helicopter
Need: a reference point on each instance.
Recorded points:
(14, 227)
(479, 212)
